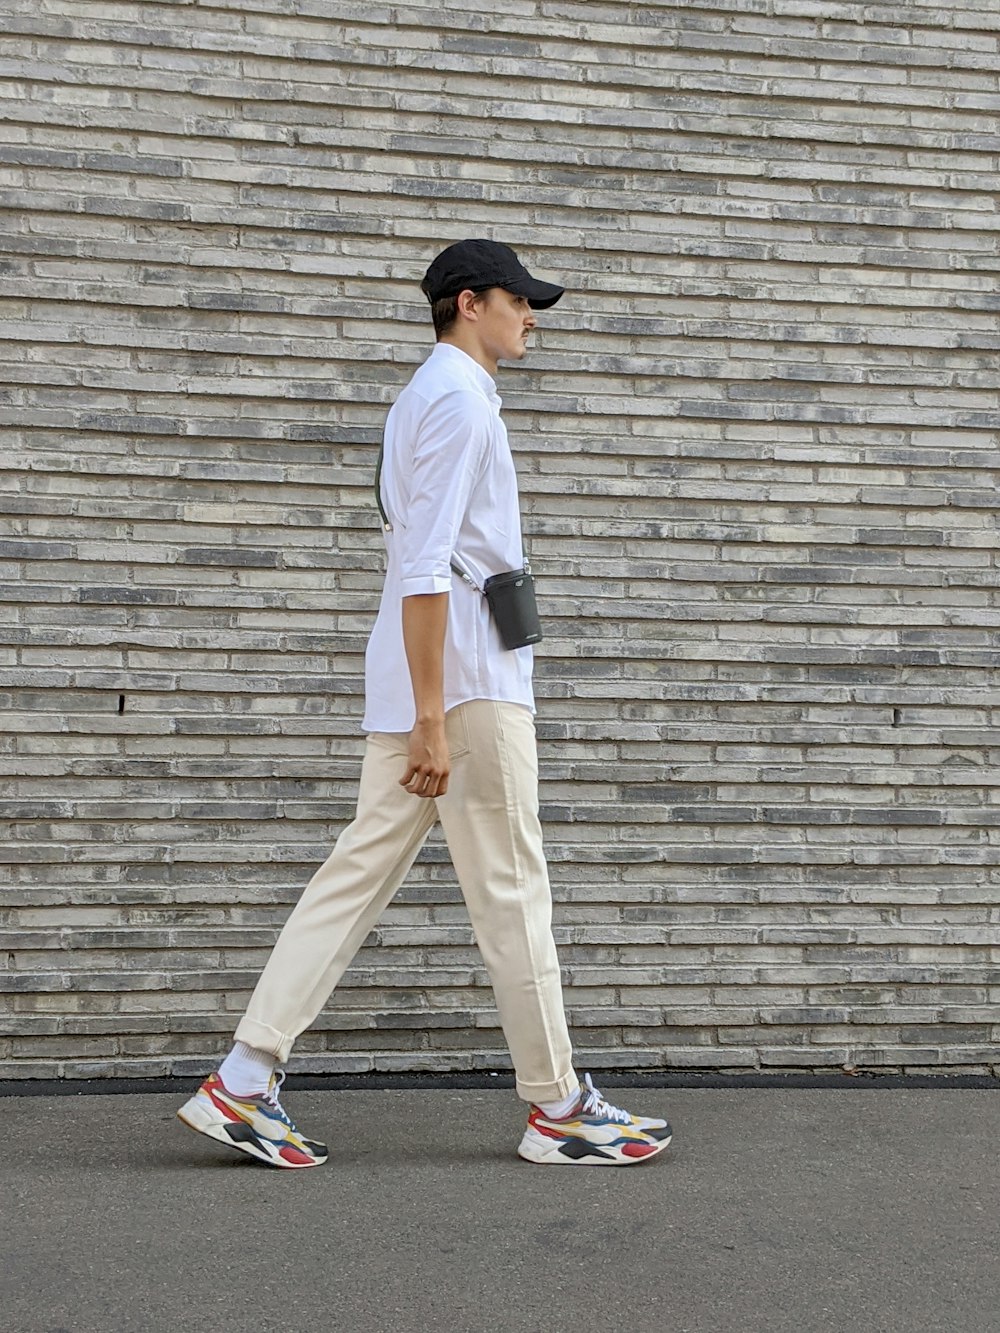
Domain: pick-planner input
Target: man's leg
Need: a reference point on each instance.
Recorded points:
(238, 1105)
(341, 903)
(490, 818)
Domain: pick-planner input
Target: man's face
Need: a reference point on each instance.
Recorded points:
(505, 323)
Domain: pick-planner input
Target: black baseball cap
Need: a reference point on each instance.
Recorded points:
(476, 265)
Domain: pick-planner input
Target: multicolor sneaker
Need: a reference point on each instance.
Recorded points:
(258, 1126)
(595, 1133)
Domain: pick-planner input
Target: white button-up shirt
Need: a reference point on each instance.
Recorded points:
(450, 491)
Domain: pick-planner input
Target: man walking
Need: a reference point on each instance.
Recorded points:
(449, 716)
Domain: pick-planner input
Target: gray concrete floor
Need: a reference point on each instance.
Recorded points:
(773, 1212)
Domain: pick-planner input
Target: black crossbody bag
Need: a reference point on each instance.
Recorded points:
(510, 595)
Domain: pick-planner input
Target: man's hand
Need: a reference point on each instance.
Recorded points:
(425, 618)
(427, 764)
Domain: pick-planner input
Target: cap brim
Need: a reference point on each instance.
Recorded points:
(540, 294)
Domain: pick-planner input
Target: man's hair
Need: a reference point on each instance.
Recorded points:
(445, 312)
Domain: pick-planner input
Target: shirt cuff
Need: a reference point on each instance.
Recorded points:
(418, 585)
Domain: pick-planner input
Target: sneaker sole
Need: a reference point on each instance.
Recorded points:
(238, 1135)
(582, 1153)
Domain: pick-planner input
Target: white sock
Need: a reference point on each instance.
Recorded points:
(246, 1071)
(557, 1110)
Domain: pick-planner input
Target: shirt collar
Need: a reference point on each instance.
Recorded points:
(471, 368)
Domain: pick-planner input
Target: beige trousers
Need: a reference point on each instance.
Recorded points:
(490, 820)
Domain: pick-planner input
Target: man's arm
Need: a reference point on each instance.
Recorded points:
(425, 618)
(453, 440)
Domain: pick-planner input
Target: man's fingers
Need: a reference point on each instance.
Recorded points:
(427, 762)
(423, 782)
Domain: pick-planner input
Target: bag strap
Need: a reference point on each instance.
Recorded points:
(387, 526)
(378, 488)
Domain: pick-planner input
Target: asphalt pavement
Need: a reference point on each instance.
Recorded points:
(774, 1211)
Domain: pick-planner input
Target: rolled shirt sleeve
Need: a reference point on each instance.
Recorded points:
(452, 445)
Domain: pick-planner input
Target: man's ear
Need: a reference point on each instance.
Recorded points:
(467, 302)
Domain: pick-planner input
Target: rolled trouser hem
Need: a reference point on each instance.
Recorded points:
(265, 1038)
(547, 1092)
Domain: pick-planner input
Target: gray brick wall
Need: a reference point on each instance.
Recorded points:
(757, 446)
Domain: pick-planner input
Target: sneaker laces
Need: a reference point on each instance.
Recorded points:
(594, 1104)
(270, 1098)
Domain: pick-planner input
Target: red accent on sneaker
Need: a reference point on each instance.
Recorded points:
(638, 1149)
(291, 1154)
(219, 1105)
(572, 1114)
(548, 1132)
